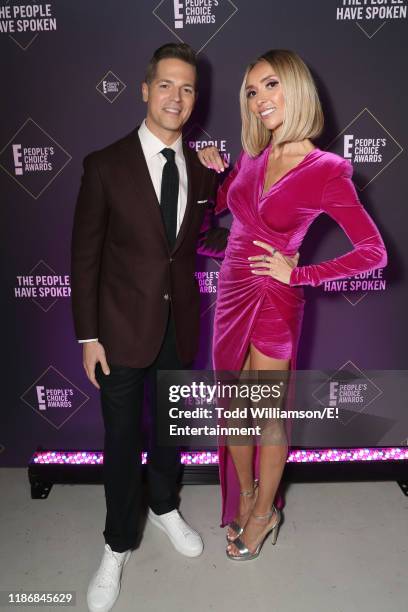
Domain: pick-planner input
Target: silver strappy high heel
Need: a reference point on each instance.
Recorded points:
(236, 526)
(244, 553)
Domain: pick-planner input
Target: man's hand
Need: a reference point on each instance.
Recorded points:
(93, 352)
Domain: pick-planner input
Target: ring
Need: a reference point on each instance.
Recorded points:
(263, 257)
(273, 251)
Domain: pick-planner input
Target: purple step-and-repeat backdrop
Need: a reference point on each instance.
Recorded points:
(71, 75)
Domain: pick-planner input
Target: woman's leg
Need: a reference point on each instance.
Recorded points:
(242, 457)
(273, 453)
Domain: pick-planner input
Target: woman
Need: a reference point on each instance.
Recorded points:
(279, 185)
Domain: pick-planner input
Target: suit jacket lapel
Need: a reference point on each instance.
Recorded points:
(192, 176)
(139, 172)
(136, 162)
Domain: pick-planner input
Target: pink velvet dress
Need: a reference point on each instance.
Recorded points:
(260, 310)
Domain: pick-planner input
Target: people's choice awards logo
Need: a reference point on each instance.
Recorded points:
(371, 15)
(55, 398)
(207, 281)
(33, 158)
(368, 145)
(197, 138)
(43, 286)
(348, 391)
(195, 21)
(356, 288)
(24, 21)
(110, 86)
(371, 149)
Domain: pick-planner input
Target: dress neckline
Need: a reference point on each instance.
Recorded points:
(264, 195)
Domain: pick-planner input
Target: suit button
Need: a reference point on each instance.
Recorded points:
(171, 260)
(166, 296)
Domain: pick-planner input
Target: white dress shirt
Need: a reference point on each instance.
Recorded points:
(151, 146)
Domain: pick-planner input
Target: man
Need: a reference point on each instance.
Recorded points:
(135, 301)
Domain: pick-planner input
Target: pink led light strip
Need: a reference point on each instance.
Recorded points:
(328, 455)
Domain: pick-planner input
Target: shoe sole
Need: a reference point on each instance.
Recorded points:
(182, 551)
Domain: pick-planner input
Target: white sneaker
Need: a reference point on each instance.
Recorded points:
(184, 539)
(104, 587)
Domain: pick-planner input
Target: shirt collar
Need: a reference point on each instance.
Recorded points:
(152, 145)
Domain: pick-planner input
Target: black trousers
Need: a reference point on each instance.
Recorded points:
(122, 396)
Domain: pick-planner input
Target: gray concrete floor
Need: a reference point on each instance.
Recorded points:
(342, 548)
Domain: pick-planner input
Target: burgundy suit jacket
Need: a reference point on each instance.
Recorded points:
(123, 275)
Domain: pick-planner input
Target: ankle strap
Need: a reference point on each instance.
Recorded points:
(265, 516)
(249, 493)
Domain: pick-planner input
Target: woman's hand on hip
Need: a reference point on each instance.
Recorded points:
(273, 263)
(210, 157)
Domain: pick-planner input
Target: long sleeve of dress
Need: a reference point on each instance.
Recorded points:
(214, 240)
(341, 203)
(222, 193)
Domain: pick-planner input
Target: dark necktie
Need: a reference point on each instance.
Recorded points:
(169, 196)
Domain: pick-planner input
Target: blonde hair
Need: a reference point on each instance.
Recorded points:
(303, 115)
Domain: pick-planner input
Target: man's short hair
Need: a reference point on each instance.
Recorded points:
(179, 51)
